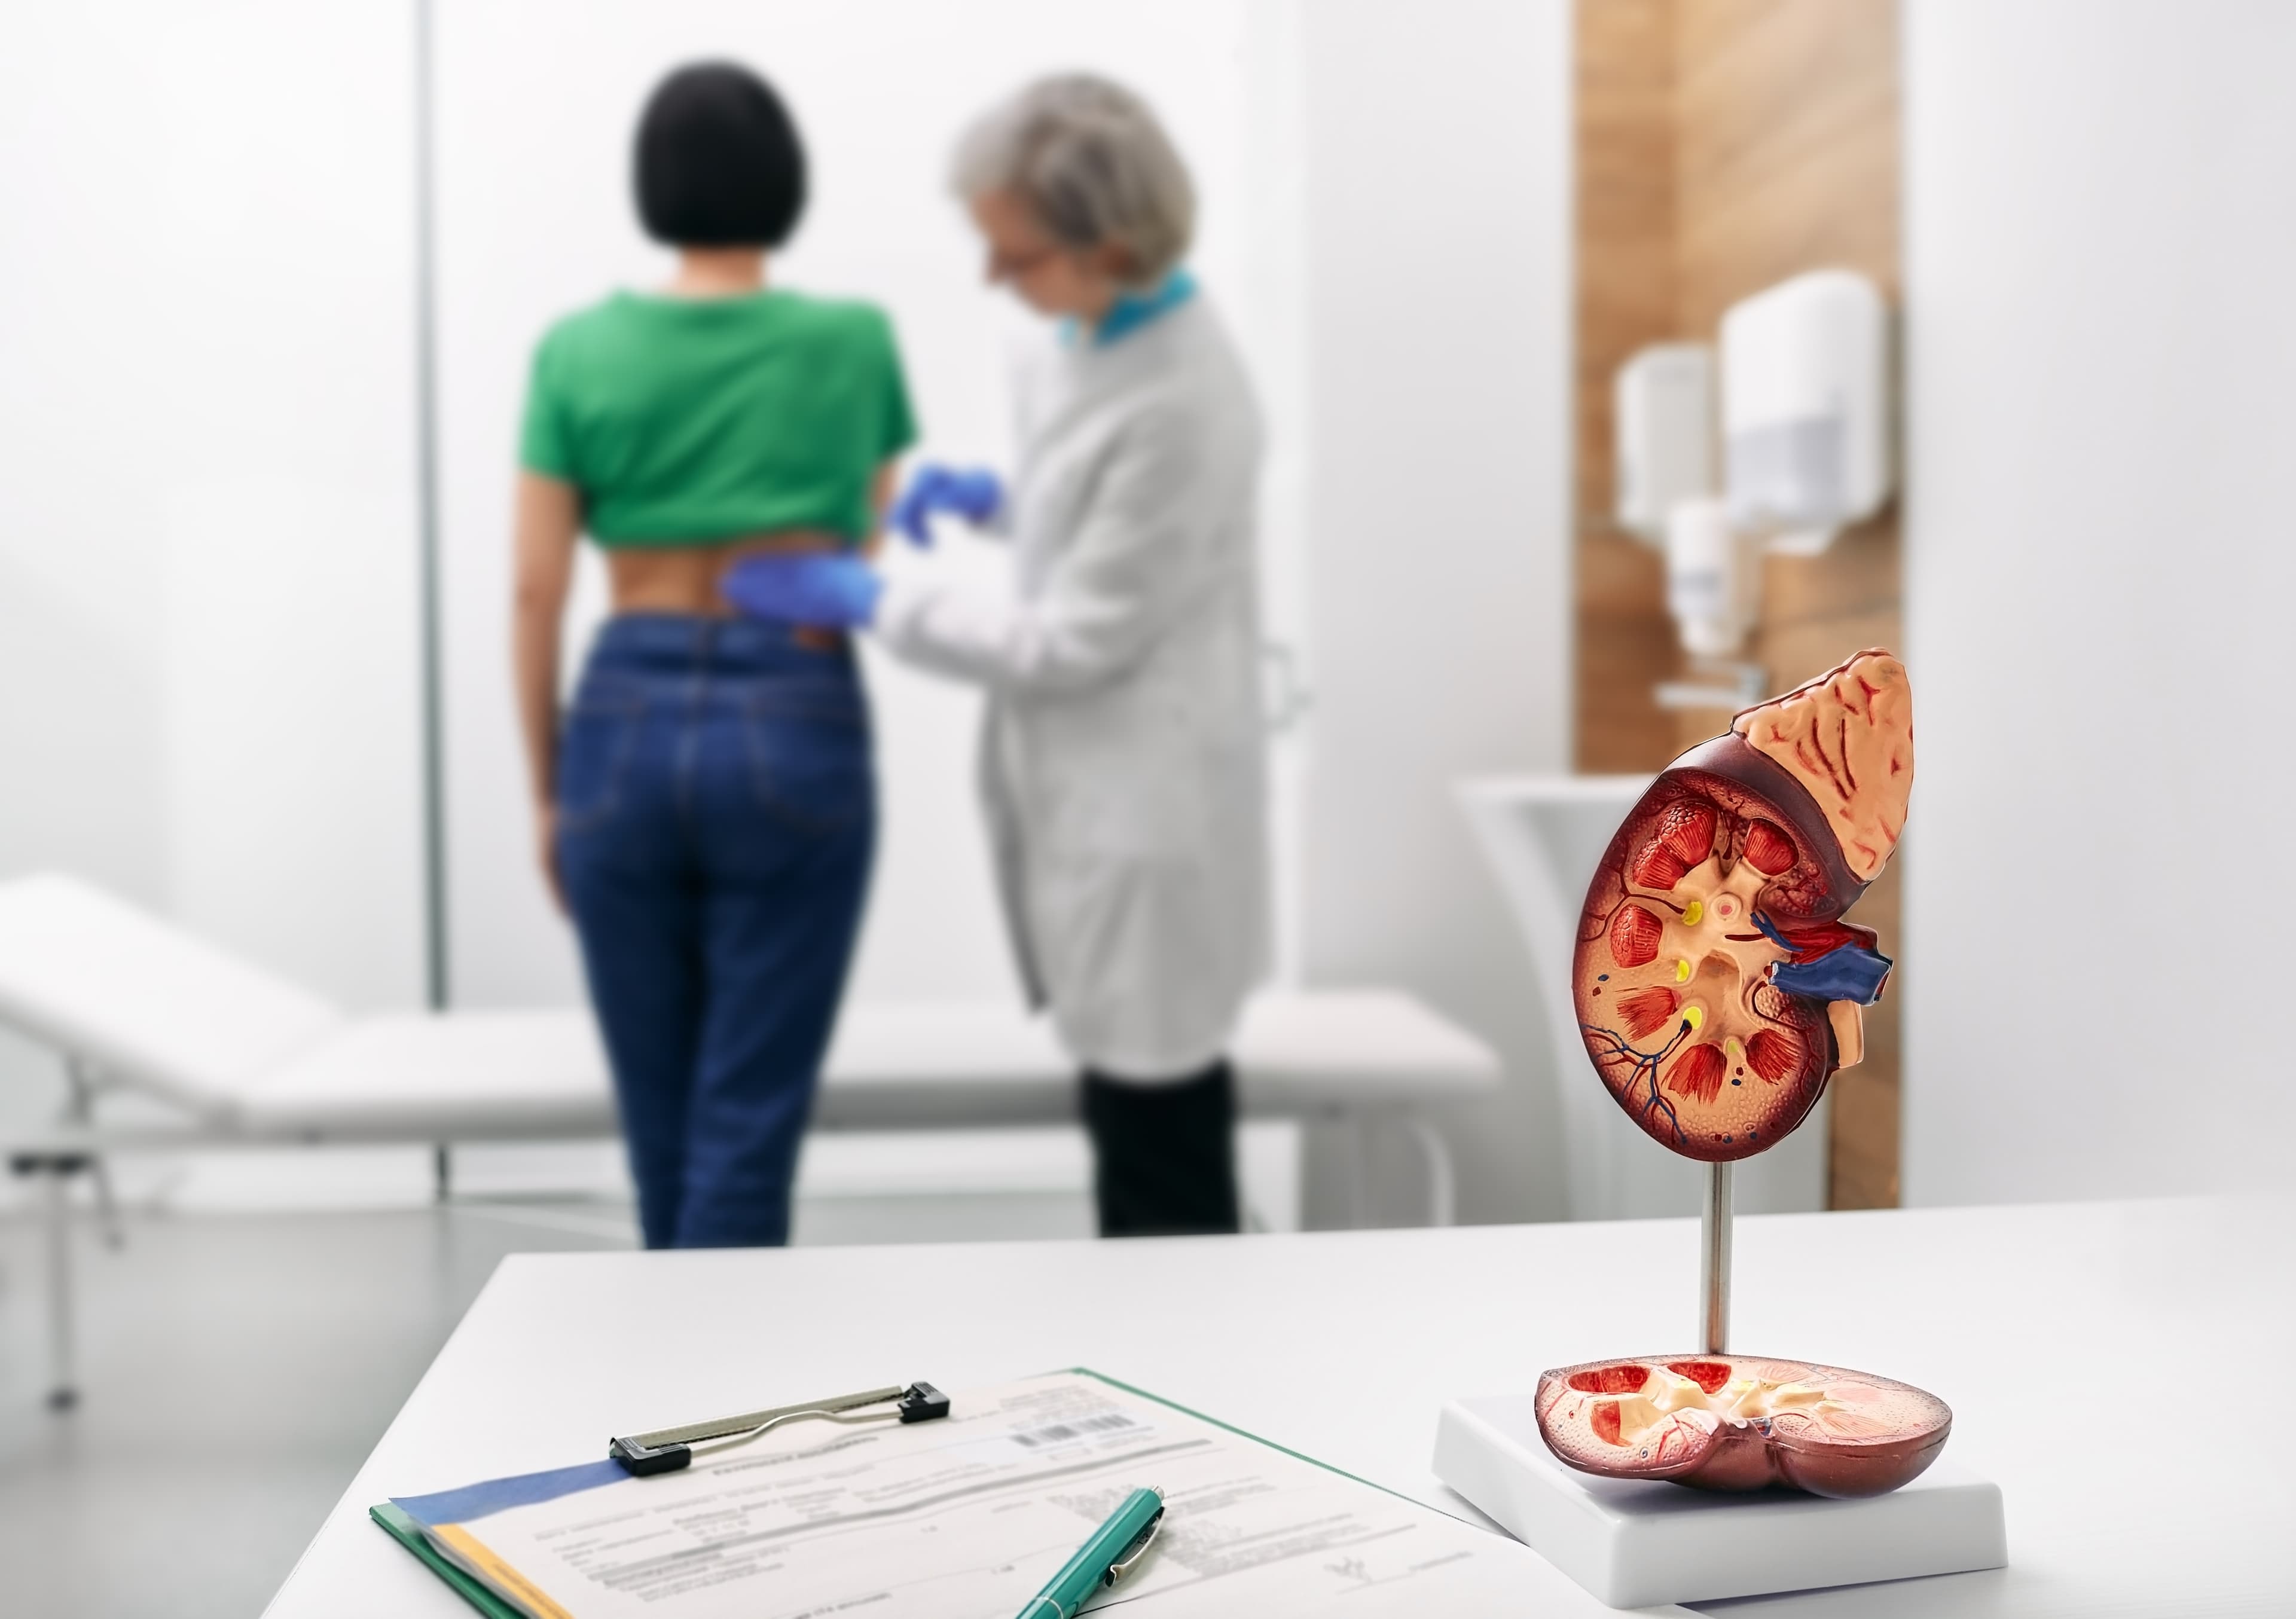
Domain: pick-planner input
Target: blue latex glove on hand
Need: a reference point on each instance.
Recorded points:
(820, 591)
(974, 494)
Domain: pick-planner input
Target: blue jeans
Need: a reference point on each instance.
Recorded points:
(717, 820)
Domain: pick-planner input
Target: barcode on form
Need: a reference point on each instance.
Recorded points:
(1075, 1427)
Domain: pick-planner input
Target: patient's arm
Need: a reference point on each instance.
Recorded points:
(549, 522)
(882, 490)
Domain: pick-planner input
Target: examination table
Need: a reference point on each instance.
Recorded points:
(238, 1056)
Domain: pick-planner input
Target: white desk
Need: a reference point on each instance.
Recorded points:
(2116, 1366)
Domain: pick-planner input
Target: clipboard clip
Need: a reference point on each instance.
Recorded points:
(666, 1449)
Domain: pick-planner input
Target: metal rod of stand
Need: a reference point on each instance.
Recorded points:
(63, 1391)
(1714, 1263)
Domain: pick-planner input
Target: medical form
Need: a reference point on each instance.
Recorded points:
(968, 1516)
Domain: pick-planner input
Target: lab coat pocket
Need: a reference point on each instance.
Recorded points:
(1119, 777)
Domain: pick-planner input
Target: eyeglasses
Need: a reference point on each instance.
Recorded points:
(1006, 264)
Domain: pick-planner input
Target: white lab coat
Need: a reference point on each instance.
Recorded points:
(1123, 763)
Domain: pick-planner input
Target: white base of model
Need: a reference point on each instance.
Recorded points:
(1637, 1544)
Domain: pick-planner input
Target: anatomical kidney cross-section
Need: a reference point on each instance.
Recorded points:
(1718, 988)
(1717, 985)
(1742, 1422)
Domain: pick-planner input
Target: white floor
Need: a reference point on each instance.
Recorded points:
(235, 1370)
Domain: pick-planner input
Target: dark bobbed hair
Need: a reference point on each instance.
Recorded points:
(719, 163)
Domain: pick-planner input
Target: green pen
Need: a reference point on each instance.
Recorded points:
(1103, 1560)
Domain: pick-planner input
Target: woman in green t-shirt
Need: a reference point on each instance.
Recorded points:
(707, 808)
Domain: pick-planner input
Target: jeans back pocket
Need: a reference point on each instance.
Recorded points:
(808, 752)
(594, 746)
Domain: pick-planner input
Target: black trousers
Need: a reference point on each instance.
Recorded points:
(1164, 1154)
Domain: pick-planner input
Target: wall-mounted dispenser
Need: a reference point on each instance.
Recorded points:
(1802, 386)
(1713, 578)
(1806, 416)
(1662, 406)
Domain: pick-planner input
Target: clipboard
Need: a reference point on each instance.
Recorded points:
(410, 1530)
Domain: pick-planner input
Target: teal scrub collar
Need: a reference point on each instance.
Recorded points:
(1132, 310)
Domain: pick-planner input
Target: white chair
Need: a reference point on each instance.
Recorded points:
(239, 1055)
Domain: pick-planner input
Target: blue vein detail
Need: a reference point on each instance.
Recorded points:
(1646, 1067)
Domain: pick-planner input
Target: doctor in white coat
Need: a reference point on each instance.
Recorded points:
(1122, 764)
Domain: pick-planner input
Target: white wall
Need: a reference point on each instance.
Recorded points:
(2099, 254)
(207, 534)
(1439, 231)
(535, 219)
(207, 523)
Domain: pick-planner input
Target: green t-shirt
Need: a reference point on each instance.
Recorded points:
(684, 420)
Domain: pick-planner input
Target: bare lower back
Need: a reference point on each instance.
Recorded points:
(688, 578)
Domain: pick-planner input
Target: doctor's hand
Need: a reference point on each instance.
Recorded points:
(821, 592)
(974, 494)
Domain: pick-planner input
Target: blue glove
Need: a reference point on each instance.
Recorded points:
(823, 592)
(974, 494)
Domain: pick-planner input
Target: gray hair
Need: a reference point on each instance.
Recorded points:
(1088, 159)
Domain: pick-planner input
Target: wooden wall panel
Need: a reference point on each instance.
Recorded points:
(1781, 155)
(1624, 110)
(1786, 146)
(1786, 159)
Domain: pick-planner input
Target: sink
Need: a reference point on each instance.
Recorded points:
(1544, 836)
